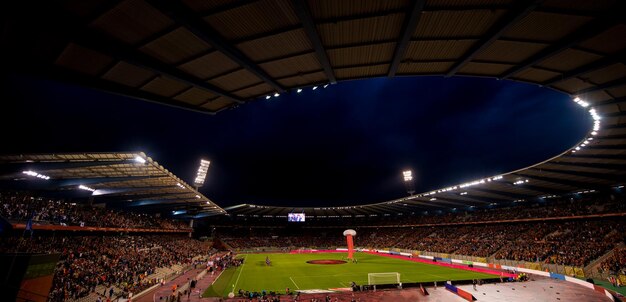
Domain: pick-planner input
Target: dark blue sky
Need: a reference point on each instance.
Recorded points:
(346, 144)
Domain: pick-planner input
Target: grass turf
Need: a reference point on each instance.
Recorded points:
(291, 270)
(607, 285)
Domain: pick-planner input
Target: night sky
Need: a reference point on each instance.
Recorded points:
(346, 144)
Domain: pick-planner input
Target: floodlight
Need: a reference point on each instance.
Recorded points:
(521, 181)
(408, 175)
(276, 94)
(299, 90)
(267, 97)
(202, 171)
(86, 188)
(140, 159)
(325, 85)
(35, 174)
(314, 87)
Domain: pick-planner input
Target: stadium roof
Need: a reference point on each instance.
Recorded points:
(209, 56)
(130, 179)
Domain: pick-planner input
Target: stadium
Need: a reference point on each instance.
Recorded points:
(97, 93)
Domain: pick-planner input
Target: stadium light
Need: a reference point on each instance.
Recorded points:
(596, 123)
(140, 159)
(299, 90)
(86, 188)
(407, 175)
(325, 85)
(202, 171)
(267, 97)
(35, 174)
(276, 94)
(314, 87)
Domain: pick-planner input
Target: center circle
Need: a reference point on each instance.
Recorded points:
(326, 261)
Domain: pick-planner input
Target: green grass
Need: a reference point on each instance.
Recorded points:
(607, 285)
(291, 270)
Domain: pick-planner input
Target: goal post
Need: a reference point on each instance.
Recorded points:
(383, 278)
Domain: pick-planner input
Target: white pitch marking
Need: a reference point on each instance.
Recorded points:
(294, 283)
(241, 270)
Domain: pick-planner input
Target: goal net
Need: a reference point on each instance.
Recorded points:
(383, 278)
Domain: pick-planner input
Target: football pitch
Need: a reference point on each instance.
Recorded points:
(293, 271)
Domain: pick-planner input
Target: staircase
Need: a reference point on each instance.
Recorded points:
(592, 268)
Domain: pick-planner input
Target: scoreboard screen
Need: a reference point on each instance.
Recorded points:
(295, 217)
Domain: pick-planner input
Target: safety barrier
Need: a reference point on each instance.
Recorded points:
(459, 292)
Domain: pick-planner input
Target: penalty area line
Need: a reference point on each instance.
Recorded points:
(294, 283)
(241, 270)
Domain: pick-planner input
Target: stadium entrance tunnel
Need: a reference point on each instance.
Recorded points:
(326, 261)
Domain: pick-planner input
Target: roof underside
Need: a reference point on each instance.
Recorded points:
(209, 56)
(119, 178)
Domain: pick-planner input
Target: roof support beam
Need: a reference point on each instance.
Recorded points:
(141, 195)
(592, 175)
(186, 17)
(304, 13)
(226, 7)
(610, 137)
(449, 202)
(593, 66)
(609, 102)
(467, 198)
(410, 24)
(596, 157)
(609, 85)
(557, 181)
(46, 166)
(503, 194)
(605, 147)
(593, 28)
(619, 167)
(122, 190)
(521, 10)
(611, 127)
(152, 202)
(542, 190)
(119, 51)
(73, 78)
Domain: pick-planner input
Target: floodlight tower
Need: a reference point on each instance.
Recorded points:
(201, 175)
(408, 181)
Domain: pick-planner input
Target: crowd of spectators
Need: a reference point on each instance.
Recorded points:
(123, 262)
(585, 204)
(22, 207)
(275, 238)
(616, 264)
(573, 243)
